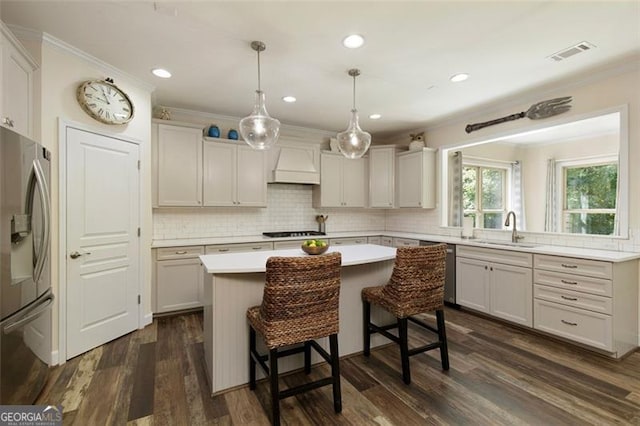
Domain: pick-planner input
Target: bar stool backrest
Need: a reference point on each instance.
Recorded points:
(417, 280)
(301, 298)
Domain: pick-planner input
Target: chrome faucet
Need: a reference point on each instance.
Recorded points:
(514, 235)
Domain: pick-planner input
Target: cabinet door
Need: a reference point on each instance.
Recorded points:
(251, 177)
(410, 180)
(179, 285)
(472, 284)
(512, 293)
(354, 182)
(17, 90)
(219, 174)
(381, 177)
(331, 181)
(179, 166)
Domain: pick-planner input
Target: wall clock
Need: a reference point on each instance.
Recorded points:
(105, 102)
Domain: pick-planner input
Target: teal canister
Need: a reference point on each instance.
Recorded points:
(213, 132)
(233, 134)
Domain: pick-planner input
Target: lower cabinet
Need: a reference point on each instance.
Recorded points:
(347, 241)
(493, 282)
(405, 242)
(179, 279)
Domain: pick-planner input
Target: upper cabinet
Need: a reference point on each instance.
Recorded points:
(343, 181)
(416, 174)
(179, 166)
(190, 171)
(382, 161)
(234, 175)
(16, 88)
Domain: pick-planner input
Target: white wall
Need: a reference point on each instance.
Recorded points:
(62, 69)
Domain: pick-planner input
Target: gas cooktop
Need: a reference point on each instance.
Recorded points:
(291, 234)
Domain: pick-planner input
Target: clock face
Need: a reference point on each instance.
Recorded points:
(105, 102)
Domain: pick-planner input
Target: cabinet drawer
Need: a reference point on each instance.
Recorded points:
(601, 304)
(405, 242)
(169, 253)
(386, 241)
(573, 282)
(237, 248)
(515, 258)
(281, 245)
(580, 325)
(347, 241)
(590, 268)
(374, 240)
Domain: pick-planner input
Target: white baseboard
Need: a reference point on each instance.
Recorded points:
(54, 358)
(148, 319)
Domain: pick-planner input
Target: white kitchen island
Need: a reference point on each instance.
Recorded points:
(234, 282)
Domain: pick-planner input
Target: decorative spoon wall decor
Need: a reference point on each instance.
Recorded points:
(537, 111)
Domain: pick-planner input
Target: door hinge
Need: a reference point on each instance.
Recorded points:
(138, 299)
(138, 232)
(138, 164)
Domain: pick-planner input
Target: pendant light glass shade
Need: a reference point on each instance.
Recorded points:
(354, 142)
(259, 130)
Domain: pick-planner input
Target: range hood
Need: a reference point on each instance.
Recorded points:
(295, 164)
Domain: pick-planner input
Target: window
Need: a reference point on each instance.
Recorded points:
(484, 195)
(589, 193)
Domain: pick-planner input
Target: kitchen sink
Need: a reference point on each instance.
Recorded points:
(507, 243)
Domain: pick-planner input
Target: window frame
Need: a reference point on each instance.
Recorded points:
(561, 193)
(506, 188)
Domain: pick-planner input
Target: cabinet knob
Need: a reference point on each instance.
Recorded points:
(485, 267)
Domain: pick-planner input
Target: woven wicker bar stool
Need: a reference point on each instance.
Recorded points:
(416, 286)
(299, 305)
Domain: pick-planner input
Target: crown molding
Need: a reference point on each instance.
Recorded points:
(33, 35)
(9, 33)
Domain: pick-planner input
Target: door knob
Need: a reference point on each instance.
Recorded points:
(75, 254)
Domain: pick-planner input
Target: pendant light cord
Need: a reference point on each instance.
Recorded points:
(354, 92)
(258, 70)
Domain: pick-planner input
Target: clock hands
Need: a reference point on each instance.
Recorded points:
(105, 96)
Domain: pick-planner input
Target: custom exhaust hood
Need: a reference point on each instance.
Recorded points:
(295, 164)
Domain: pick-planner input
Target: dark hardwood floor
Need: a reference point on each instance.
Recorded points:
(499, 375)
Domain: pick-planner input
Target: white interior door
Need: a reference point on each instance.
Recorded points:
(103, 264)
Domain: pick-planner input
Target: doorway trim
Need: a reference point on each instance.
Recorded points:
(61, 356)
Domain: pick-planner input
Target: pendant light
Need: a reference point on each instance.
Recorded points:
(259, 130)
(354, 142)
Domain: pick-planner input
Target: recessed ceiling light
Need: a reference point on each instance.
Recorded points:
(353, 41)
(289, 99)
(375, 116)
(456, 78)
(160, 72)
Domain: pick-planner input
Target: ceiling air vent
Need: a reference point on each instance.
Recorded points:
(583, 46)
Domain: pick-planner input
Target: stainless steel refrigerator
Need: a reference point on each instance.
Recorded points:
(25, 287)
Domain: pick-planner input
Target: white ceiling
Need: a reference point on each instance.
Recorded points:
(411, 50)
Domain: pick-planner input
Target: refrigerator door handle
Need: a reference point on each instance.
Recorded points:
(37, 178)
(30, 314)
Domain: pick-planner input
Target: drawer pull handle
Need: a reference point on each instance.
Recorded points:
(181, 252)
(569, 282)
(569, 323)
(223, 249)
(564, 265)
(256, 248)
(569, 298)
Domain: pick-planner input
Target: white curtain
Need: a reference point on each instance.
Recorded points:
(517, 200)
(455, 189)
(550, 220)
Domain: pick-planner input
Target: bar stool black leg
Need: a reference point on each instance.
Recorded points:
(335, 372)
(275, 393)
(307, 357)
(442, 336)
(404, 349)
(252, 362)
(366, 319)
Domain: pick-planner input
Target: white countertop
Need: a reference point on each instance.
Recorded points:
(232, 263)
(577, 252)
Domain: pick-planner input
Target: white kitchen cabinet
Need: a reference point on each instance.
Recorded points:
(343, 182)
(377, 239)
(238, 248)
(16, 88)
(591, 302)
(178, 279)
(347, 241)
(179, 169)
(405, 242)
(416, 178)
(382, 160)
(289, 244)
(497, 282)
(234, 175)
